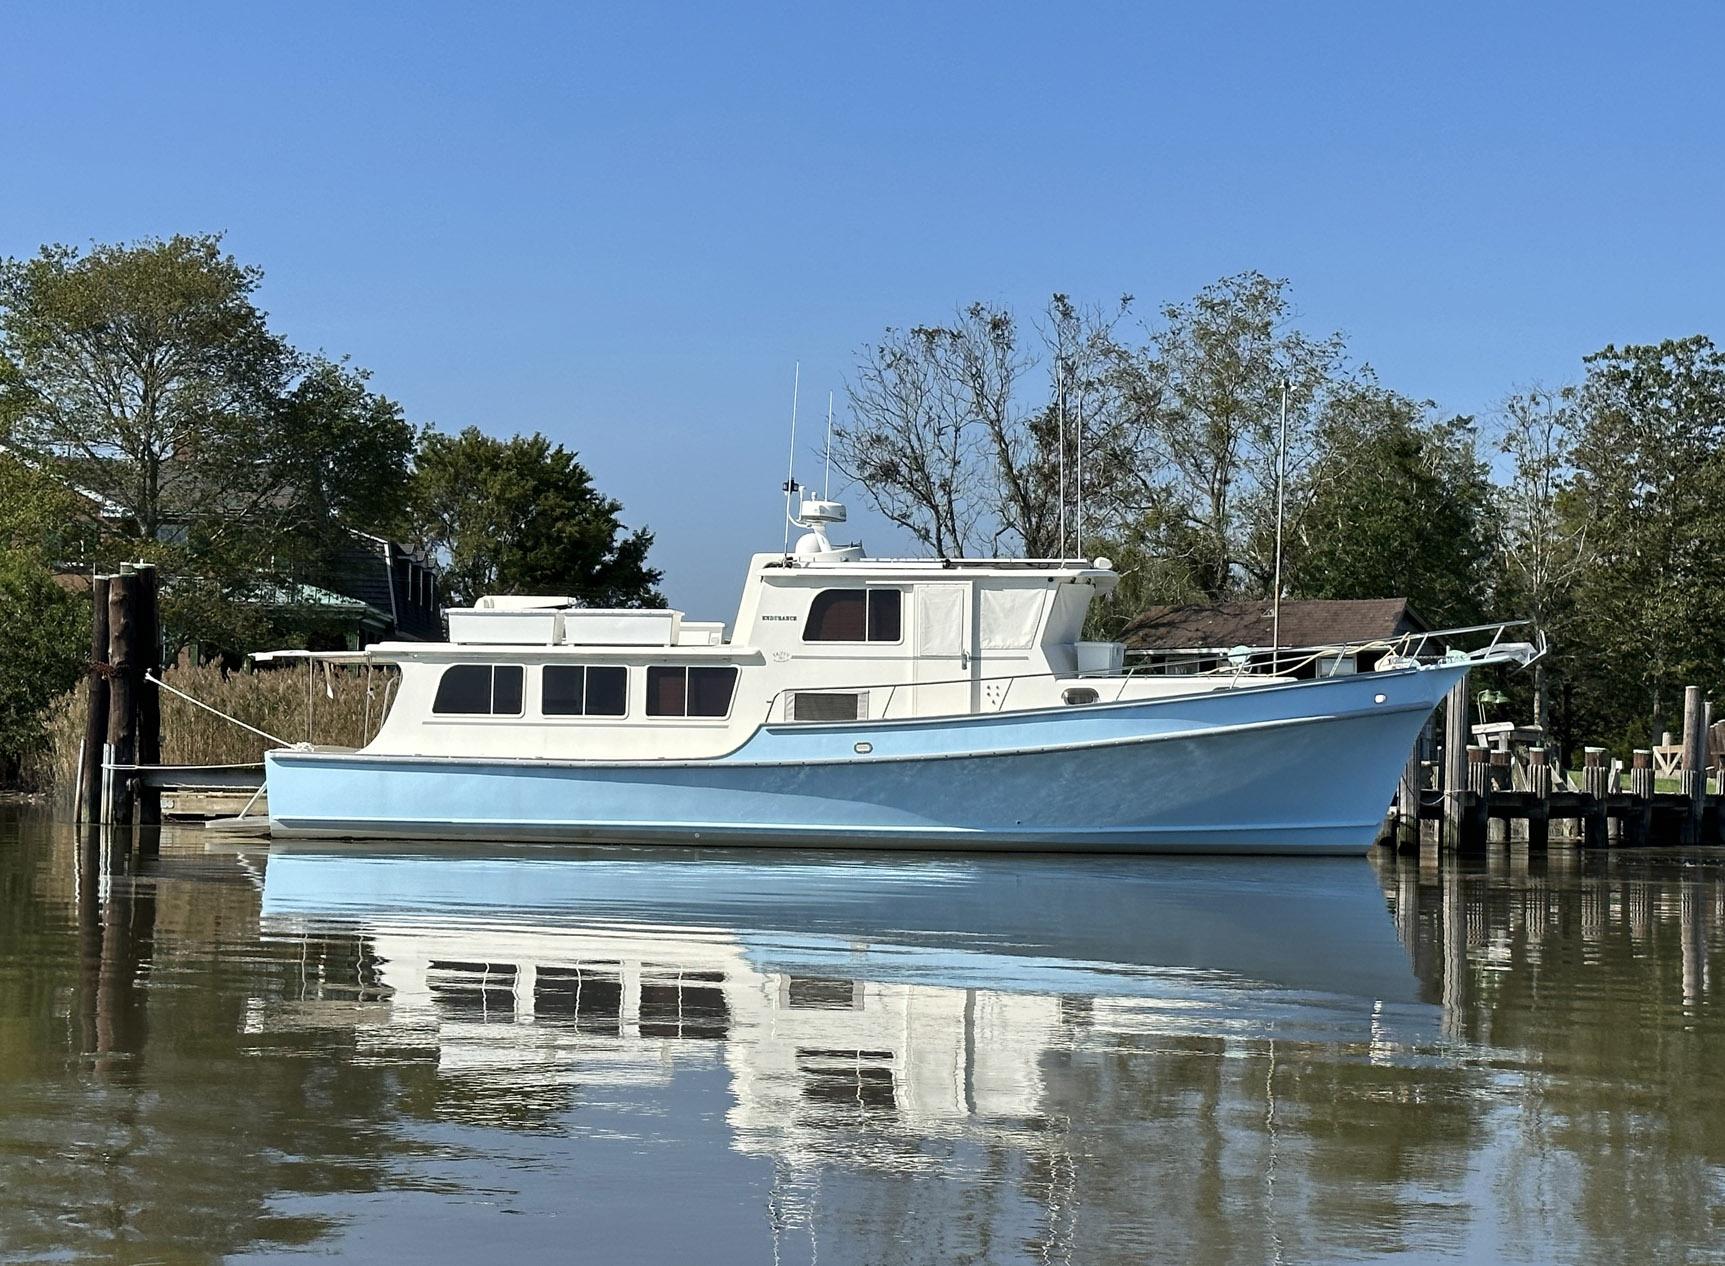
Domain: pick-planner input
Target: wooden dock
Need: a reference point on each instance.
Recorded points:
(1479, 794)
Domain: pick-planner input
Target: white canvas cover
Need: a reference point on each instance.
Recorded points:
(1010, 618)
(940, 619)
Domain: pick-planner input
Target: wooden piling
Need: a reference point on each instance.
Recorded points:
(1638, 826)
(1704, 767)
(1454, 763)
(90, 797)
(149, 697)
(1596, 782)
(1406, 837)
(1692, 775)
(125, 666)
(1538, 800)
(1476, 805)
(1499, 779)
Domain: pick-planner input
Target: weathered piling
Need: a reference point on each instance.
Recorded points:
(1638, 821)
(1692, 775)
(125, 669)
(1538, 799)
(1596, 783)
(1476, 805)
(1500, 778)
(149, 700)
(1407, 832)
(90, 772)
(1454, 783)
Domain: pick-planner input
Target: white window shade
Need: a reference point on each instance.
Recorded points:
(940, 619)
(1010, 618)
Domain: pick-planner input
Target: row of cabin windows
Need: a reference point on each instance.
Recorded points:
(590, 690)
(855, 615)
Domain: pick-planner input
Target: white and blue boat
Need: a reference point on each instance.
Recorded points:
(868, 702)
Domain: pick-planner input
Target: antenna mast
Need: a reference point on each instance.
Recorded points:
(1078, 548)
(791, 470)
(827, 475)
(1281, 495)
(1060, 420)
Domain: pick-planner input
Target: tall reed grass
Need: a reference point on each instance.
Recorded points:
(274, 700)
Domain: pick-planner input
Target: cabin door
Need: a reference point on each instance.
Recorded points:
(943, 634)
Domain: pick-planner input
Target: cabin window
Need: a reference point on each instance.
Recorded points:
(827, 705)
(690, 692)
(479, 690)
(1078, 695)
(855, 615)
(584, 690)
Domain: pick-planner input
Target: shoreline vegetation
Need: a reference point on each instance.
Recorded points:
(273, 700)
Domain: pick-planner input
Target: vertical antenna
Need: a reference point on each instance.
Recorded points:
(791, 471)
(1079, 481)
(1281, 493)
(1060, 420)
(827, 476)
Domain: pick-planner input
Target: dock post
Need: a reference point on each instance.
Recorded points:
(1407, 833)
(123, 688)
(1639, 824)
(90, 773)
(1477, 804)
(1692, 775)
(1454, 763)
(1704, 765)
(1539, 800)
(149, 700)
(1498, 779)
(1596, 782)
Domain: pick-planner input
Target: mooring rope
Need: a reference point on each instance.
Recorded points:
(199, 703)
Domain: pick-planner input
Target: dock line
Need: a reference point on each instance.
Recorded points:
(279, 742)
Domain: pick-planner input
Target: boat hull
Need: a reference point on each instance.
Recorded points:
(1301, 768)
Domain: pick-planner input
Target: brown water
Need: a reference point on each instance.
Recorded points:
(634, 1055)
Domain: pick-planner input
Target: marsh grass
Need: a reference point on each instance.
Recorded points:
(273, 700)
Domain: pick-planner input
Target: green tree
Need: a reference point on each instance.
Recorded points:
(1542, 550)
(1397, 504)
(144, 377)
(967, 433)
(43, 625)
(44, 639)
(1206, 393)
(522, 515)
(37, 513)
(1650, 483)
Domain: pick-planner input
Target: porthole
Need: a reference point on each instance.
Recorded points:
(1078, 695)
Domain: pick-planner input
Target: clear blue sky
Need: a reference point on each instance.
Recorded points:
(622, 224)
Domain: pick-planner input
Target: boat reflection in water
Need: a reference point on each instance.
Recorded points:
(730, 1057)
(865, 1009)
(1291, 947)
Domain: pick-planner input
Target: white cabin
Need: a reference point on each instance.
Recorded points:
(822, 635)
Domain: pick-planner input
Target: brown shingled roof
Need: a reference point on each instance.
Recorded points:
(1305, 622)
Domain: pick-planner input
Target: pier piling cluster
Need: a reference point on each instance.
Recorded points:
(123, 727)
(1484, 793)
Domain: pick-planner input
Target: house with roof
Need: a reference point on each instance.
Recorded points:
(1198, 637)
(370, 589)
(362, 589)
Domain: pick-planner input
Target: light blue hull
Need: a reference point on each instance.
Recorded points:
(1307, 767)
